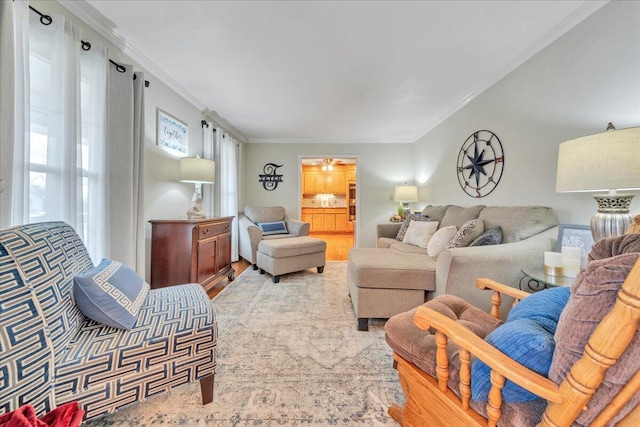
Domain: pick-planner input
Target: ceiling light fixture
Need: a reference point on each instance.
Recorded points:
(327, 164)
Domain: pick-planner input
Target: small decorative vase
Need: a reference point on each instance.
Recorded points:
(400, 210)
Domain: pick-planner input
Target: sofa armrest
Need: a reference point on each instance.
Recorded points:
(388, 230)
(457, 269)
(297, 227)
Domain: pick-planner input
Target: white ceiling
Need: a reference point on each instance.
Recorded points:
(332, 71)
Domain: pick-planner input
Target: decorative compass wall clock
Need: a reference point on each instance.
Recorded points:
(480, 163)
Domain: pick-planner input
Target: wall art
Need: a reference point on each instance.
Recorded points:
(270, 178)
(172, 134)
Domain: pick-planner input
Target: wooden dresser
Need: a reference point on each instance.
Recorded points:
(191, 251)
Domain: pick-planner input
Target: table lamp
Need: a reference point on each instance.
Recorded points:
(607, 161)
(405, 194)
(199, 171)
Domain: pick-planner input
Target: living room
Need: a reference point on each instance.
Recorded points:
(570, 83)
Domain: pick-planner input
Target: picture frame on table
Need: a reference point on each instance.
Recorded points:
(575, 236)
(172, 134)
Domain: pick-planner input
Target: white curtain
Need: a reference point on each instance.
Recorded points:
(125, 154)
(14, 111)
(229, 148)
(94, 68)
(209, 142)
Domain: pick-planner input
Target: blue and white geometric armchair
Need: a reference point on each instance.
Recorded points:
(51, 353)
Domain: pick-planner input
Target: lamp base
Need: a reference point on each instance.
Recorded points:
(196, 210)
(405, 210)
(613, 217)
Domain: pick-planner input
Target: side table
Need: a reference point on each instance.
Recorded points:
(536, 279)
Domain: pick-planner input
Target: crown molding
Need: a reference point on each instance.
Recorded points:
(331, 140)
(587, 9)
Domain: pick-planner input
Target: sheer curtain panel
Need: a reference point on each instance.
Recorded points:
(229, 186)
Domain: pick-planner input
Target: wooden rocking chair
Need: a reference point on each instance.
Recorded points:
(431, 402)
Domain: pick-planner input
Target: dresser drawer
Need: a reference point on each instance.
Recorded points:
(209, 230)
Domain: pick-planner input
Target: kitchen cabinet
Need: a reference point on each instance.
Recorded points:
(333, 220)
(191, 251)
(321, 182)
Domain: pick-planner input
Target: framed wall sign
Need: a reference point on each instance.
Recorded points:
(172, 134)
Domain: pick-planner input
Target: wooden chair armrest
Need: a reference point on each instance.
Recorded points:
(498, 289)
(483, 283)
(494, 358)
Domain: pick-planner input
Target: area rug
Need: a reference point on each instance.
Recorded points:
(289, 354)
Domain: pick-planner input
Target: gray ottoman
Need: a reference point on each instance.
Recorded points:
(383, 282)
(282, 256)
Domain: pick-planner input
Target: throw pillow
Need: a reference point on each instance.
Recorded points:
(525, 341)
(593, 295)
(493, 236)
(469, 232)
(110, 293)
(419, 233)
(405, 225)
(275, 227)
(544, 307)
(439, 241)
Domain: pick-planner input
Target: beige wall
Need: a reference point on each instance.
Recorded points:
(587, 78)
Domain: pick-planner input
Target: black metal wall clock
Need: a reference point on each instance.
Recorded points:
(480, 163)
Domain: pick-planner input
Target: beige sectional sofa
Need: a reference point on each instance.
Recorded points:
(396, 276)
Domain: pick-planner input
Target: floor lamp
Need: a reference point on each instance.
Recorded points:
(607, 161)
(199, 171)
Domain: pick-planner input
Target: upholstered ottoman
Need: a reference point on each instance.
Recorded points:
(383, 283)
(282, 256)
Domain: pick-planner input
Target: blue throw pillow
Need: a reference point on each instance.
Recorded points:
(275, 227)
(544, 307)
(526, 337)
(526, 342)
(110, 293)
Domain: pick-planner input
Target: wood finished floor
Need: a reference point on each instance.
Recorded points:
(338, 246)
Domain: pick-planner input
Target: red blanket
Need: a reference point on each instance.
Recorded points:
(67, 415)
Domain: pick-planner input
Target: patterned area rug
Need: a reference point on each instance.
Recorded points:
(289, 354)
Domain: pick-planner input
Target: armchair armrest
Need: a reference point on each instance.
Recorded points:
(297, 227)
(250, 236)
(499, 362)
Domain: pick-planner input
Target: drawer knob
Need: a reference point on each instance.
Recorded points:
(205, 231)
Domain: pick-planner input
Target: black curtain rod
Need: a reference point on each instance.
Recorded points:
(47, 20)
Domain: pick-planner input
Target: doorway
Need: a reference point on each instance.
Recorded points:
(328, 200)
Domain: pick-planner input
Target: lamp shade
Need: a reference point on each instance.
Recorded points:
(406, 194)
(604, 161)
(197, 170)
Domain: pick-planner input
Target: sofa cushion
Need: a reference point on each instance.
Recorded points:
(405, 225)
(420, 232)
(458, 216)
(386, 269)
(592, 296)
(492, 236)
(518, 222)
(111, 294)
(275, 227)
(435, 213)
(264, 214)
(469, 231)
(439, 241)
(406, 248)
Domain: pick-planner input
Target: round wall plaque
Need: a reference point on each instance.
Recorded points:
(480, 163)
